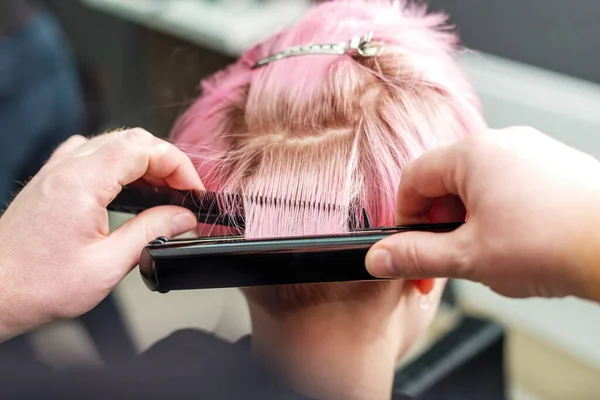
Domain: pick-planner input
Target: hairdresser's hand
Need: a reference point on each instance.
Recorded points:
(533, 224)
(57, 259)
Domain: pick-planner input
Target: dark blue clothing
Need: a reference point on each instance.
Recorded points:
(41, 101)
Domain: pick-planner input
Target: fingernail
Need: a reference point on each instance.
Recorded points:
(183, 222)
(379, 263)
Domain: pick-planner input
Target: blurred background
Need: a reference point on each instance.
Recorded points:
(92, 65)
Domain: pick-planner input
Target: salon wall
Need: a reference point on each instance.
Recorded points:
(514, 93)
(559, 35)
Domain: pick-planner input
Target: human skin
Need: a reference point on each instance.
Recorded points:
(533, 208)
(345, 349)
(57, 257)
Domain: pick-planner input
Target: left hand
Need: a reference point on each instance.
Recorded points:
(57, 258)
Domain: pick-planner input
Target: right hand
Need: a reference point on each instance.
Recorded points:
(533, 226)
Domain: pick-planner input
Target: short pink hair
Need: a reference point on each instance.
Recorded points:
(330, 129)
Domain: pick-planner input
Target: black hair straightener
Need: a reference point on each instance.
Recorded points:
(233, 261)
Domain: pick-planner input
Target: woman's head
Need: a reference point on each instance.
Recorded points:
(329, 129)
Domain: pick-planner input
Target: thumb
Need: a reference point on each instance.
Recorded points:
(419, 255)
(130, 238)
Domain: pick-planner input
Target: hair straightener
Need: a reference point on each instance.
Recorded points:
(233, 261)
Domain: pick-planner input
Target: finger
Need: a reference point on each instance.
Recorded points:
(153, 181)
(99, 141)
(430, 176)
(130, 238)
(138, 154)
(447, 209)
(420, 255)
(68, 146)
(171, 165)
(158, 160)
(150, 181)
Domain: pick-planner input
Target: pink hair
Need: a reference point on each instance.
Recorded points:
(330, 129)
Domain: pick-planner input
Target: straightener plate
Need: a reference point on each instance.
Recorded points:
(222, 262)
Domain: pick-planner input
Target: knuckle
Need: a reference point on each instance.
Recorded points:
(461, 259)
(471, 143)
(71, 141)
(130, 143)
(138, 135)
(76, 139)
(478, 145)
(484, 137)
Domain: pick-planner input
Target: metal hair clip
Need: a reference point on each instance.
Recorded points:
(357, 45)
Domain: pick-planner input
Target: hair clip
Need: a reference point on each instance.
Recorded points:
(356, 46)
